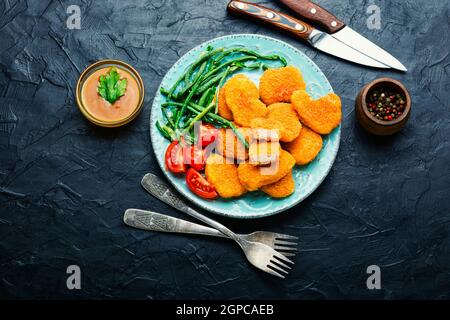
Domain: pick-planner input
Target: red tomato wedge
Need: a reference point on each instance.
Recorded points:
(174, 158)
(199, 185)
(194, 157)
(207, 135)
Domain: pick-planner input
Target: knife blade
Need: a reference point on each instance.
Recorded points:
(302, 30)
(315, 14)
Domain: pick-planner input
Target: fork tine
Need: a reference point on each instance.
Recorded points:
(274, 266)
(282, 258)
(287, 243)
(284, 248)
(280, 263)
(286, 236)
(273, 272)
(287, 254)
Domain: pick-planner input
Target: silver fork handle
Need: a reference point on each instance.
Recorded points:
(161, 190)
(152, 221)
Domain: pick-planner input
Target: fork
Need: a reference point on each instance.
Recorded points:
(258, 254)
(153, 221)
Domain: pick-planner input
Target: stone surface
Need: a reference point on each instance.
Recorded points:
(64, 183)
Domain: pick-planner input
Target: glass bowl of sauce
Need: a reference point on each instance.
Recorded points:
(97, 109)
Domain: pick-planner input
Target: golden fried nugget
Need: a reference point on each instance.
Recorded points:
(262, 153)
(222, 106)
(305, 147)
(242, 98)
(223, 176)
(286, 115)
(281, 117)
(322, 115)
(277, 85)
(254, 177)
(265, 129)
(282, 188)
(243, 114)
(229, 146)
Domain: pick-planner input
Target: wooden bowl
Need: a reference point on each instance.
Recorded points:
(371, 123)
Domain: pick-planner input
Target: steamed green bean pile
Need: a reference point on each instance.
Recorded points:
(194, 96)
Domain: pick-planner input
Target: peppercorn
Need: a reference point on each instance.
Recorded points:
(384, 104)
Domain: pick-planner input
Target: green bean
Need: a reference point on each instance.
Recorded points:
(251, 53)
(210, 97)
(165, 131)
(229, 63)
(204, 98)
(195, 108)
(214, 122)
(174, 87)
(164, 92)
(192, 68)
(174, 103)
(216, 95)
(199, 116)
(238, 135)
(223, 55)
(198, 77)
(212, 80)
(185, 103)
(208, 117)
(169, 119)
(258, 55)
(253, 66)
(187, 78)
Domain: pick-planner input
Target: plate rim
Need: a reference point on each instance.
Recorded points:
(220, 213)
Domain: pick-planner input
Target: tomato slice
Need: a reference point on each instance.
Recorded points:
(199, 185)
(208, 134)
(194, 157)
(174, 158)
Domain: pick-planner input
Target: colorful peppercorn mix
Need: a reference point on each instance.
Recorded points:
(385, 104)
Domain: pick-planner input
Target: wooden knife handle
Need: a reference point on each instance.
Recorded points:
(315, 14)
(271, 17)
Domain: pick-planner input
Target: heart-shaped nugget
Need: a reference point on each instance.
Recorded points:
(242, 98)
(321, 115)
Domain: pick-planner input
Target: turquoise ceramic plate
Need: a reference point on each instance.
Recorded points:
(307, 178)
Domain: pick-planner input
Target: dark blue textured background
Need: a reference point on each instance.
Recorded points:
(64, 183)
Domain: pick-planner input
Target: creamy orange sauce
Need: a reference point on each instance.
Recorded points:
(102, 109)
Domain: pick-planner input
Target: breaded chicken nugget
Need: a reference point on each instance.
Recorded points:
(286, 115)
(262, 153)
(305, 147)
(242, 98)
(266, 129)
(301, 96)
(259, 134)
(223, 176)
(254, 177)
(322, 115)
(281, 117)
(282, 188)
(229, 146)
(277, 85)
(222, 106)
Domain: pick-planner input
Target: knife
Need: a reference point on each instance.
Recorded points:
(318, 39)
(317, 15)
